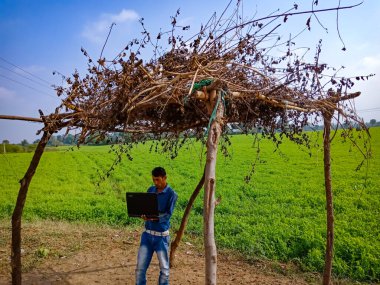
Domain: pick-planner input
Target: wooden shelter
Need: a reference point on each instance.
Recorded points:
(197, 87)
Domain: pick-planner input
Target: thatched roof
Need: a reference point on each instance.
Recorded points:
(170, 91)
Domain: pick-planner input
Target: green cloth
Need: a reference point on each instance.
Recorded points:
(198, 85)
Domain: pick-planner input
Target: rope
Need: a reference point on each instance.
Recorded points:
(221, 95)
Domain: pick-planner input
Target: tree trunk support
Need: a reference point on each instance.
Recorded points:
(214, 133)
(17, 212)
(329, 198)
(185, 218)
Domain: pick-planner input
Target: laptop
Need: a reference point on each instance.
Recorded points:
(139, 204)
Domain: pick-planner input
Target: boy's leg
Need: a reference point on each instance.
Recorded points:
(144, 258)
(162, 249)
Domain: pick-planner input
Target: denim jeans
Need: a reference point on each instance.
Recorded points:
(148, 245)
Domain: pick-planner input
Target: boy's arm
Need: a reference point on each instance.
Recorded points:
(165, 217)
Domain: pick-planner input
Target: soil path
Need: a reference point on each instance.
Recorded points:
(63, 253)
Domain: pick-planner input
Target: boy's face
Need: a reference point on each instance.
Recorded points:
(159, 182)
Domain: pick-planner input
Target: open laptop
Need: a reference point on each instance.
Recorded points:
(139, 204)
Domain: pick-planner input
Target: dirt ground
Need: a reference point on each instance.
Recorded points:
(65, 253)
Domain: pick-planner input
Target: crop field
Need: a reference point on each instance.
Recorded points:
(278, 215)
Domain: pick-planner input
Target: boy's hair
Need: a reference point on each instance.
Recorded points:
(159, 172)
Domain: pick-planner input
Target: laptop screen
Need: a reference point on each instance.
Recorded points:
(139, 204)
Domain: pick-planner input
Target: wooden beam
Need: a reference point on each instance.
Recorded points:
(20, 118)
(282, 104)
(335, 98)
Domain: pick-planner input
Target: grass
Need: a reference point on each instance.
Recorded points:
(279, 215)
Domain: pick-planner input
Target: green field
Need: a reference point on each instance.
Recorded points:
(278, 215)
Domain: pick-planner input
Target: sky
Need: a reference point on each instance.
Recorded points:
(42, 37)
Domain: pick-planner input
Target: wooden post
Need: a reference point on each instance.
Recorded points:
(329, 198)
(209, 187)
(17, 212)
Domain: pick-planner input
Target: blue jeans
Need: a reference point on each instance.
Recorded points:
(148, 245)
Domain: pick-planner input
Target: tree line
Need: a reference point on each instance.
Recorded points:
(113, 138)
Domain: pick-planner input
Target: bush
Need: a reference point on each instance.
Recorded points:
(16, 148)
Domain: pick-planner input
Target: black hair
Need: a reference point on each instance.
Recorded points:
(159, 172)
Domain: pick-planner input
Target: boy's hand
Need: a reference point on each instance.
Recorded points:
(144, 217)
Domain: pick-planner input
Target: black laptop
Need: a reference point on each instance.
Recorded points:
(139, 204)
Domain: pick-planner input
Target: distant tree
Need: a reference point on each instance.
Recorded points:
(36, 141)
(5, 141)
(24, 143)
(69, 139)
(372, 122)
(54, 141)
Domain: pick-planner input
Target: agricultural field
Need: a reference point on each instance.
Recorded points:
(279, 214)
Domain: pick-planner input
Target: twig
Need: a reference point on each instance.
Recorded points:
(101, 54)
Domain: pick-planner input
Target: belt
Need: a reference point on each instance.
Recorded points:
(160, 234)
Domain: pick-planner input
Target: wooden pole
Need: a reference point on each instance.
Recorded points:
(185, 218)
(17, 212)
(329, 198)
(209, 187)
(20, 118)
